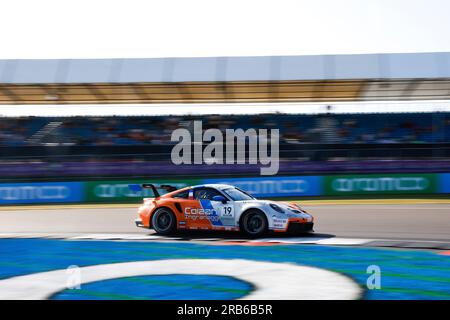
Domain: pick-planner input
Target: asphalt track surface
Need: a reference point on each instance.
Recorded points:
(429, 221)
(36, 266)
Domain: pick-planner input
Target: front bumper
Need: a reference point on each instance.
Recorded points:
(139, 223)
(299, 227)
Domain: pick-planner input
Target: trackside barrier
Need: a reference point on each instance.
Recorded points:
(444, 183)
(117, 191)
(42, 192)
(380, 184)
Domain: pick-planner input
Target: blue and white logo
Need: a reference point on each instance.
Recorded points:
(41, 192)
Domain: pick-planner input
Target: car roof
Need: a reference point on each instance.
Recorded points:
(214, 185)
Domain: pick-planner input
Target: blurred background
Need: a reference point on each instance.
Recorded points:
(349, 124)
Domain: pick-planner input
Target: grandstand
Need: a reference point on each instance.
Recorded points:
(299, 129)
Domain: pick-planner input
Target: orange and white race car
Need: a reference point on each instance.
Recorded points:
(218, 207)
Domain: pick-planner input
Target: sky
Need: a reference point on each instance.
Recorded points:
(53, 29)
(69, 110)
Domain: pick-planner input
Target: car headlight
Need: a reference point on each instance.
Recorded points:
(299, 207)
(276, 208)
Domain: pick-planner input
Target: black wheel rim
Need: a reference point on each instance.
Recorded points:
(255, 223)
(163, 221)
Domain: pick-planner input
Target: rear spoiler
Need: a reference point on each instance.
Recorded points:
(139, 187)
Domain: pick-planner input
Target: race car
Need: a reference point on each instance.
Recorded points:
(218, 207)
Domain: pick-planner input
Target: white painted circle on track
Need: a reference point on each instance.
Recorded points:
(271, 281)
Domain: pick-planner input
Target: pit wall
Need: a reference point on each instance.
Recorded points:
(117, 191)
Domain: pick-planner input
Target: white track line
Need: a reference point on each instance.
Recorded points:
(270, 280)
(327, 241)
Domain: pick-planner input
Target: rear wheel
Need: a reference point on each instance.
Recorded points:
(164, 221)
(254, 223)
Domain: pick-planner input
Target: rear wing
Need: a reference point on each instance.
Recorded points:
(140, 187)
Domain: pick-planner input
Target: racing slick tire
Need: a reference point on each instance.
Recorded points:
(254, 223)
(164, 221)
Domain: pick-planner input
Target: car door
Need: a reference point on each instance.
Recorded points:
(216, 213)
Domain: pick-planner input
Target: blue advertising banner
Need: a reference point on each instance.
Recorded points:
(444, 183)
(41, 192)
(294, 186)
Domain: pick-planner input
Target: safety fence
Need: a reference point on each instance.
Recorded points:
(117, 191)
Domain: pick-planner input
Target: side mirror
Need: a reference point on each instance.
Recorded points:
(219, 198)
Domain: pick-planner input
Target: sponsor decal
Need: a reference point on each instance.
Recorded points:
(213, 217)
(201, 214)
(41, 192)
(199, 211)
(279, 223)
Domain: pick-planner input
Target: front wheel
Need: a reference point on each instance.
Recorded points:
(254, 223)
(164, 221)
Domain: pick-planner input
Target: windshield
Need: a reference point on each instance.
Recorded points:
(237, 194)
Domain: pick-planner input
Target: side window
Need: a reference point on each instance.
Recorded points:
(205, 193)
(182, 195)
